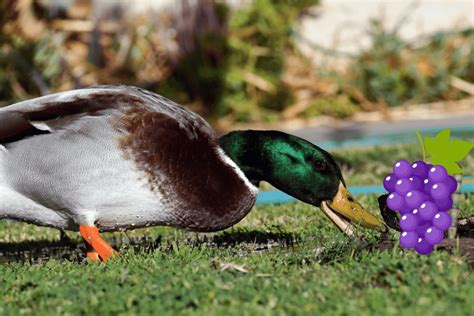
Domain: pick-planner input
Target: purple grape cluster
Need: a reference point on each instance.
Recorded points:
(421, 193)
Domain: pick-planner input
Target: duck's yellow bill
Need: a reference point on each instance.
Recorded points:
(344, 210)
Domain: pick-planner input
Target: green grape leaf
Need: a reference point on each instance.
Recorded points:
(452, 167)
(447, 152)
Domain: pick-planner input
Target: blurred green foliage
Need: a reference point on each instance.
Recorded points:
(340, 107)
(396, 72)
(260, 39)
(234, 68)
(199, 76)
(31, 66)
(27, 67)
(238, 73)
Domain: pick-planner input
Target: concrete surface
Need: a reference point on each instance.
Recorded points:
(343, 25)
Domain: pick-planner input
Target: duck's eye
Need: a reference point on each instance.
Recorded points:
(318, 164)
(291, 158)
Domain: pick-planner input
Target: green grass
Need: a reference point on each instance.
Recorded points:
(280, 260)
(284, 259)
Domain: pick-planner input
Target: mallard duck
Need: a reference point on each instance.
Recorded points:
(111, 158)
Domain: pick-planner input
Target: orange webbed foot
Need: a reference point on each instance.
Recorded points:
(97, 248)
(92, 254)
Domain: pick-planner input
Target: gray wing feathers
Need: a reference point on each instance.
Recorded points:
(54, 111)
(61, 97)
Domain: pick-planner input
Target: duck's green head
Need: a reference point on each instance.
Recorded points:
(300, 169)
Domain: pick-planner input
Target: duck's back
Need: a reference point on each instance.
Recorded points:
(119, 157)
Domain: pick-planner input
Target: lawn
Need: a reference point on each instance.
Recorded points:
(283, 259)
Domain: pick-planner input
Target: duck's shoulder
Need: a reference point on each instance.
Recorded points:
(167, 113)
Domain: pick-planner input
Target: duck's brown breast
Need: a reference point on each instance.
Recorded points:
(183, 162)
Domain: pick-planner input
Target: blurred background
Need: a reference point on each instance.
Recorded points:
(329, 65)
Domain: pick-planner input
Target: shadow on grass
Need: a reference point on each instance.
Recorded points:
(243, 242)
(233, 238)
(35, 252)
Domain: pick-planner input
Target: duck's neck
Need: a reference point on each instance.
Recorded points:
(245, 149)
